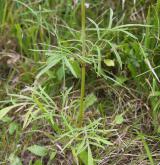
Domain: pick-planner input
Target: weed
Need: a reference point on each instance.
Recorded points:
(79, 82)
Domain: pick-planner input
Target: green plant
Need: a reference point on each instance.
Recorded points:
(85, 79)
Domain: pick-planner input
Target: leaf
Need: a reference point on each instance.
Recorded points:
(76, 68)
(84, 157)
(90, 158)
(14, 160)
(121, 80)
(97, 28)
(119, 119)
(75, 156)
(39, 104)
(151, 68)
(110, 19)
(148, 63)
(132, 69)
(89, 100)
(104, 141)
(53, 155)
(71, 68)
(99, 60)
(19, 33)
(60, 73)
(81, 147)
(27, 117)
(6, 119)
(146, 147)
(113, 46)
(38, 162)
(109, 62)
(101, 140)
(4, 111)
(51, 62)
(38, 150)
(12, 128)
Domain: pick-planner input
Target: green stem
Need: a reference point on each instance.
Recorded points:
(83, 35)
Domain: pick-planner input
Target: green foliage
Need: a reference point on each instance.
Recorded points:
(14, 160)
(38, 150)
(147, 149)
(119, 119)
(86, 77)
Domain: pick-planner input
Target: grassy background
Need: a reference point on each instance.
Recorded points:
(40, 78)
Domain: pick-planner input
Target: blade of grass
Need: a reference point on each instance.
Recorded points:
(146, 147)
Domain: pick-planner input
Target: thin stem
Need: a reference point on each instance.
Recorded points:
(83, 70)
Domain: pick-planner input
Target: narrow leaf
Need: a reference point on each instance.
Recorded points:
(4, 111)
(70, 67)
(49, 66)
(90, 158)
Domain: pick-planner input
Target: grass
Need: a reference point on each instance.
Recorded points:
(79, 82)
